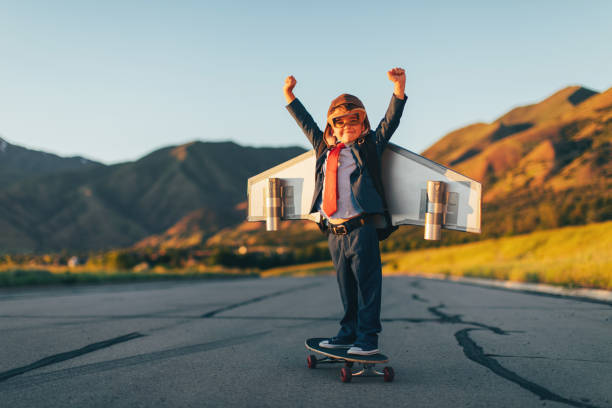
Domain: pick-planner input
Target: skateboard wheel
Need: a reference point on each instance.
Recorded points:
(348, 364)
(312, 361)
(346, 374)
(389, 374)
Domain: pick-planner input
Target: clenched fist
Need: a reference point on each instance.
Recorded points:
(398, 77)
(290, 82)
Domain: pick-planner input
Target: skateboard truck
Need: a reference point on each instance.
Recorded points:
(368, 370)
(346, 373)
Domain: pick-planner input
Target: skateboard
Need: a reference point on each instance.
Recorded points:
(339, 355)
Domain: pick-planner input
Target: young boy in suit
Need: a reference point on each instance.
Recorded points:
(348, 195)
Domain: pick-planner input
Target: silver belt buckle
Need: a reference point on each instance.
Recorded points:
(340, 230)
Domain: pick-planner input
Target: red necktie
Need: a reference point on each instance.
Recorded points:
(330, 195)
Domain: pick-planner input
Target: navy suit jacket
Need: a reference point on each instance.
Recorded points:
(362, 184)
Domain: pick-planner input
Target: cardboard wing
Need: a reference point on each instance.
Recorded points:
(406, 176)
(297, 185)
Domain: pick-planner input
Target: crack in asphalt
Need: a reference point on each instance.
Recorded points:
(442, 319)
(333, 319)
(94, 368)
(475, 353)
(417, 284)
(57, 358)
(100, 317)
(550, 358)
(457, 319)
(259, 299)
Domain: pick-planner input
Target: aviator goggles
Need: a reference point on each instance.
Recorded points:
(349, 120)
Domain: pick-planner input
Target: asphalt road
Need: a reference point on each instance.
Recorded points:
(241, 343)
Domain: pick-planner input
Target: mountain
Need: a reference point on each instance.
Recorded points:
(116, 206)
(193, 229)
(542, 166)
(560, 143)
(18, 163)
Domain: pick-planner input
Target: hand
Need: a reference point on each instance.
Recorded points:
(398, 77)
(290, 82)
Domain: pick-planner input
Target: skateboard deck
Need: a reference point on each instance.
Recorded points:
(339, 355)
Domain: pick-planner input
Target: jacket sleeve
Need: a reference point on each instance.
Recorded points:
(305, 122)
(389, 123)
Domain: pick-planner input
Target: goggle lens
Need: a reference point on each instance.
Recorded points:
(344, 121)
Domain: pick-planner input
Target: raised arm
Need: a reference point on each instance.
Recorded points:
(390, 122)
(300, 114)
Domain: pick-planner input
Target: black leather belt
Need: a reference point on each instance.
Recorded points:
(348, 226)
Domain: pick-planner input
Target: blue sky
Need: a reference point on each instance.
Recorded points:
(115, 80)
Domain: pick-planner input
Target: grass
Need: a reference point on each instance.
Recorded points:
(578, 256)
(571, 257)
(311, 269)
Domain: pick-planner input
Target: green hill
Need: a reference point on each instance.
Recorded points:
(576, 256)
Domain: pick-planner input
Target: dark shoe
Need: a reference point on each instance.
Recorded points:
(363, 350)
(336, 342)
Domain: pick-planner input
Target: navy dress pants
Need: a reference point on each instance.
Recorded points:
(356, 257)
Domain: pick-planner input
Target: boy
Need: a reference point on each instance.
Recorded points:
(347, 196)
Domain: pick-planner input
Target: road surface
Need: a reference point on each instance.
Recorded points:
(241, 343)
